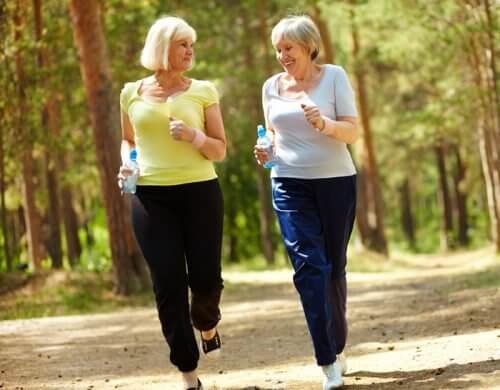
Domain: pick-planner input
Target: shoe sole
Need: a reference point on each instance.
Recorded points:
(215, 354)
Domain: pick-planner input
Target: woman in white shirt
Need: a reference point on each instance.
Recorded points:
(311, 111)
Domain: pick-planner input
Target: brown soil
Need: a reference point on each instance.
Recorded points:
(416, 329)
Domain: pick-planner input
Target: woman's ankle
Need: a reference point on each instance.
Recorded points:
(190, 379)
(208, 334)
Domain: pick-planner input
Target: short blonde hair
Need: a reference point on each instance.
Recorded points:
(299, 29)
(154, 55)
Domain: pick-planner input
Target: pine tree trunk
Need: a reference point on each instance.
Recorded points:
(54, 244)
(69, 216)
(263, 188)
(373, 205)
(461, 199)
(95, 69)
(328, 49)
(444, 200)
(407, 219)
(28, 186)
(3, 208)
(489, 146)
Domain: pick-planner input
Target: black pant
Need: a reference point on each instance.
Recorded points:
(179, 229)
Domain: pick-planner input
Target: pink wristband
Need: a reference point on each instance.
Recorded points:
(199, 139)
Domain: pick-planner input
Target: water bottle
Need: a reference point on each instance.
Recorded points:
(130, 182)
(265, 143)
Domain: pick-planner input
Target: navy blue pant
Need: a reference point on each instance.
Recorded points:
(316, 217)
(179, 230)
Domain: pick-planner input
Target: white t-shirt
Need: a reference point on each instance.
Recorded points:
(302, 151)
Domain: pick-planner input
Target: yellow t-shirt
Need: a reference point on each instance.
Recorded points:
(163, 160)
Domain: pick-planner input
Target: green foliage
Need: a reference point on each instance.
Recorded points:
(65, 293)
(420, 91)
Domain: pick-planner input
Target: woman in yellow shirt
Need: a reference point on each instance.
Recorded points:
(175, 124)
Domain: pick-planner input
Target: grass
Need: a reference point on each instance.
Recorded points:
(489, 278)
(53, 293)
(65, 293)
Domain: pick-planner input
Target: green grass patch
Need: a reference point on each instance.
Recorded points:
(368, 261)
(258, 263)
(489, 278)
(66, 293)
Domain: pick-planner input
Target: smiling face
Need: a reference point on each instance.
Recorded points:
(180, 54)
(292, 56)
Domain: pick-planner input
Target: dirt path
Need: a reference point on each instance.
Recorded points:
(416, 329)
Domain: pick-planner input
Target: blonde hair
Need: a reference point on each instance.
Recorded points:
(154, 55)
(299, 29)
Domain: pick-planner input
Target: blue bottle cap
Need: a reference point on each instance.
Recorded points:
(261, 131)
(133, 155)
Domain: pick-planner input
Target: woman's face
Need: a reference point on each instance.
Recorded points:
(180, 54)
(292, 56)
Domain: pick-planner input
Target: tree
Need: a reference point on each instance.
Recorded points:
(94, 65)
(32, 217)
(370, 210)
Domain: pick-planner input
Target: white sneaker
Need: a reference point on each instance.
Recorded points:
(342, 362)
(333, 376)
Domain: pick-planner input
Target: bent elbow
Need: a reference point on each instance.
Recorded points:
(355, 134)
(220, 155)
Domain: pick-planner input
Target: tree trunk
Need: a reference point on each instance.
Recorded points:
(74, 247)
(263, 188)
(444, 200)
(94, 66)
(407, 219)
(328, 49)
(54, 245)
(28, 186)
(490, 54)
(488, 145)
(3, 208)
(461, 199)
(373, 206)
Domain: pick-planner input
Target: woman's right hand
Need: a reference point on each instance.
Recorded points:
(261, 155)
(123, 173)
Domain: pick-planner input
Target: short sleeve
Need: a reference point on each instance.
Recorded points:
(345, 104)
(126, 95)
(211, 96)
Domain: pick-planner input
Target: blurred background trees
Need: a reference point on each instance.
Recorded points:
(426, 80)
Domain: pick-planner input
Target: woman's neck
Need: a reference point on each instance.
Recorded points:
(307, 75)
(169, 79)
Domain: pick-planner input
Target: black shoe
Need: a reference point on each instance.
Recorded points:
(199, 386)
(211, 347)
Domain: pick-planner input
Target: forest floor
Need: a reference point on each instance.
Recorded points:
(435, 324)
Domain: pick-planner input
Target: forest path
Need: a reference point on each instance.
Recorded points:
(415, 329)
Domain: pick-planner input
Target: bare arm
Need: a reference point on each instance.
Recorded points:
(128, 141)
(212, 142)
(344, 129)
(214, 147)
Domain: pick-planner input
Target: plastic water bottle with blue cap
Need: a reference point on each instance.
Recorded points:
(130, 182)
(265, 143)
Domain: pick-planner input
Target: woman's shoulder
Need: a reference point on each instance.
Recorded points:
(335, 69)
(202, 83)
(204, 90)
(130, 86)
(270, 81)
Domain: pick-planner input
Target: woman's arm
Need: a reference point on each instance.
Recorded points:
(128, 139)
(212, 143)
(344, 129)
(214, 147)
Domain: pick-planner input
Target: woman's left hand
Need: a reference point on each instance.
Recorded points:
(313, 116)
(180, 132)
